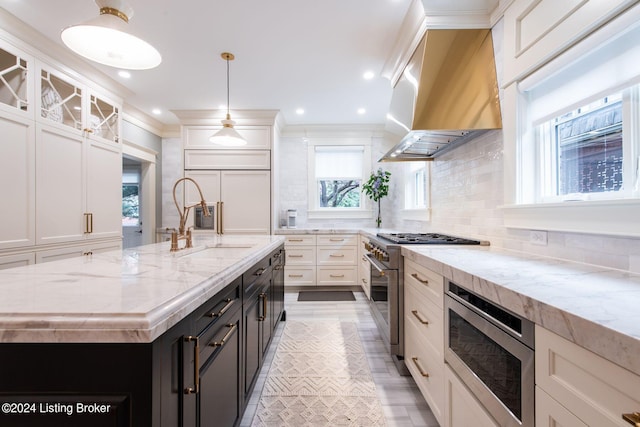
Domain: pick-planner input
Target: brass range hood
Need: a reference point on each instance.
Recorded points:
(447, 95)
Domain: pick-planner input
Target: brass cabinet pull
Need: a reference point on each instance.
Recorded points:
(295, 275)
(295, 256)
(221, 218)
(259, 272)
(333, 239)
(229, 303)
(633, 418)
(336, 256)
(88, 130)
(415, 313)
(264, 307)
(232, 328)
(335, 276)
(423, 281)
(86, 223)
(296, 240)
(364, 258)
(422, 372)
(196, 366)
(364, 280)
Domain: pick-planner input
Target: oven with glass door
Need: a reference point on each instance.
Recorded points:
(492, 351)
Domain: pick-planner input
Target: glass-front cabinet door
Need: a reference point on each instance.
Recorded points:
(71, 105)
(14, 80)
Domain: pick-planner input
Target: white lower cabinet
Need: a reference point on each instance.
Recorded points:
(321, 260)
(17, 260)
(584, 388)
(77, 250)
(461, 407)
(424, 333)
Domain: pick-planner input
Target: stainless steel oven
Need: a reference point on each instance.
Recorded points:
(492, 351)
(387, 283)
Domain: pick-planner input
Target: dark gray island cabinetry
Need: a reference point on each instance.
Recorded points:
(194, 374)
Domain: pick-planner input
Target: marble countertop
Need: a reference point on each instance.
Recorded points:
(121, 296)
(595, 307)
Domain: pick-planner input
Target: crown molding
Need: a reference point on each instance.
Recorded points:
(213, 117)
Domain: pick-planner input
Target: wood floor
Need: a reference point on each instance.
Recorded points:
(401, 400)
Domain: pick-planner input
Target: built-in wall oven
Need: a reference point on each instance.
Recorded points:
(492, 351)
(387, 283)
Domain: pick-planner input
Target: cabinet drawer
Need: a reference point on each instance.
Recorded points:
(299, 276)
(215, 309)
(301, 255)
(592, 388)
(331, 256)
(297, 240)
(338, 240)
(427, 282)
(425, 316)
(329, 276)
(426, 367)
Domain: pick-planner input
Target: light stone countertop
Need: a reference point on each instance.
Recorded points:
(122, 296)
(595, 307)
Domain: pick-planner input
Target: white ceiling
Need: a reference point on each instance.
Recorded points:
(290, 54)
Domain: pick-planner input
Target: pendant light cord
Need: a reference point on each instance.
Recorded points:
(228, 115)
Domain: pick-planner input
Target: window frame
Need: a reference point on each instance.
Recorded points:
(410, 210)
(365, 210)
(615, 216)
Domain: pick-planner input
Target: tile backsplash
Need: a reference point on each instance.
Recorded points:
(466, 195)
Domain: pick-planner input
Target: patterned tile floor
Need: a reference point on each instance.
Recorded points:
(402, 403)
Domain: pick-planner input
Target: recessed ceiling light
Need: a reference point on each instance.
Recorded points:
(299, 111)
(368, 75)
(156, 111)
(124, 74)
(361, 111)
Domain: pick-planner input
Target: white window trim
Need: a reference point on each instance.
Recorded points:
(418, 214)
(314, 212)
(604, 217)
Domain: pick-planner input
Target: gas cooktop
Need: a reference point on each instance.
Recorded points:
(428, 239)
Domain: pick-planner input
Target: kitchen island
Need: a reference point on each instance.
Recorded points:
(143, 337)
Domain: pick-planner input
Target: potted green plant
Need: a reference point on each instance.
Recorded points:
(376, 188)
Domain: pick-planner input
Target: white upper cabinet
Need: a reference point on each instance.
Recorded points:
(258, 137)
(536, 31)
(70, 105)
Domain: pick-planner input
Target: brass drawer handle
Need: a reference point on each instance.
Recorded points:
(336, 276)
(196, 366)
(336, 240)
(336, 256)
(263, 296)
(227, 306)
(295, 256)
(422, 372)
(232, 327)
(364, 281)
(423, 281)
(633, 419)
(295, 275)
(295, 240)
(417, 315)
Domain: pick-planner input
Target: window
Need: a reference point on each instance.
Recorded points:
(130, 198)
(582, 152)
(577, 138)
(336, 174)
(415, 192)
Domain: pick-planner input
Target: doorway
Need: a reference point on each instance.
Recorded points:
(138, 196)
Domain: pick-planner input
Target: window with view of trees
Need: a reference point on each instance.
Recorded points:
(336, 176)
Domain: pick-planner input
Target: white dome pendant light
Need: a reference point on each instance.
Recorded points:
(228, 135)
(105, 39)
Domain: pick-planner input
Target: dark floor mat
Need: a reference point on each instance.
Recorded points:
(326, 296)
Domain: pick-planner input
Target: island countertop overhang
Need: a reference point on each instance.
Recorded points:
(129, 296)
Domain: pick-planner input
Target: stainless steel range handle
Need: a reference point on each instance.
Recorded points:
(381, 269)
